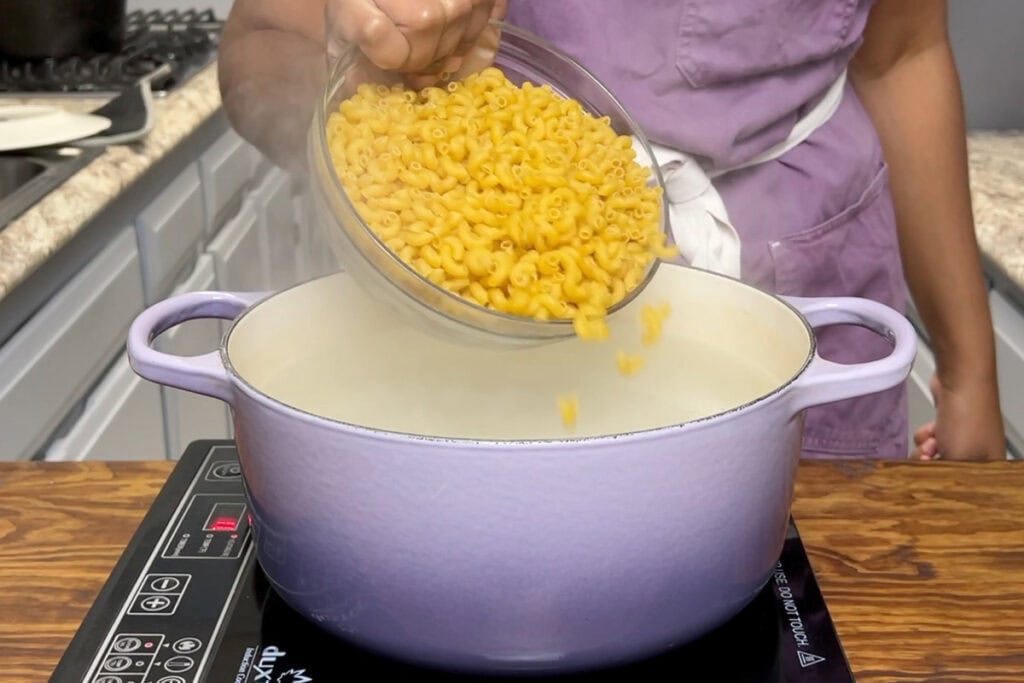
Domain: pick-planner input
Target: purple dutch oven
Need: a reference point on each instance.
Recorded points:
(424, 499)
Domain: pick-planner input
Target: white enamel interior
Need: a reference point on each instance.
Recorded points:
(325, 349)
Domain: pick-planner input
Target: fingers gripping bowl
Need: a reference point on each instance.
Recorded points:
(510, 173)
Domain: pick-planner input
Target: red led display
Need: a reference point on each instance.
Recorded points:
(224, 524)
(225, 517)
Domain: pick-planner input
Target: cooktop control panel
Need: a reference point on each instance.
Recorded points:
(163, 631)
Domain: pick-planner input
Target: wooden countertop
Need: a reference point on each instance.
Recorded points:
(921, 564)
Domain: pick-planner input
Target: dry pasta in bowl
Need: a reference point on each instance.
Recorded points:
(512, 197)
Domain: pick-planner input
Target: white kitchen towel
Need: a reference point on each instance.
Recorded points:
(698, 217)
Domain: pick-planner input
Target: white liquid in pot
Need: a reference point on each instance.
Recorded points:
(360, 365)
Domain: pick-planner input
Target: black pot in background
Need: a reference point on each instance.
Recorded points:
(60, 28)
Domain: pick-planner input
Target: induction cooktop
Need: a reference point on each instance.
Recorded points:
(188, 603)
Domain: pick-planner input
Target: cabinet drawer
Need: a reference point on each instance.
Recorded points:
(50, 363)
(919, 385)
(239, 255)
(190, 416)
(169, 230)
(316, 258)
(261, 165)
(280, 230)
(1009, 331)
(225, 168)
(122, 420)
(919, 393)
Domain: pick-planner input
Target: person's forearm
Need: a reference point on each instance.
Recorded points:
(270, 80)
(270, 101)
(916, 106)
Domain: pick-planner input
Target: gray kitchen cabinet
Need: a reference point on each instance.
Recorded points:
(225, 168)
(49, 365)
(315, 255)
(213, 214)
(169, 230)
(261, 165)
(191, 416)
(122, 420)
(919, 393)
(239, 254)
(1008, 321)
(280, 228)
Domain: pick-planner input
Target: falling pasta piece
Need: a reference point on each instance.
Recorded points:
(651, 320)
(568, 406)
(594, 329)
(629, 364)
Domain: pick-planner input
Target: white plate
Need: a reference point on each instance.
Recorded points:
(28, 126)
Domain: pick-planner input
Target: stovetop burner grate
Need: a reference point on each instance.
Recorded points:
(184, 40)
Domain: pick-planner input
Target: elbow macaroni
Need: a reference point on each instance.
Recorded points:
(651, 320)
(629, 364)
(568, 406)
(511, 197)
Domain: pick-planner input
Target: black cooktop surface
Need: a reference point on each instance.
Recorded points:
(188, 603)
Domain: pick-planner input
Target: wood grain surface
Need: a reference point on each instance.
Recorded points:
(62, 528)
(922, 564)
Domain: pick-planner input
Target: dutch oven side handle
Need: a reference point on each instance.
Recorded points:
(825, 381)
(203, 374)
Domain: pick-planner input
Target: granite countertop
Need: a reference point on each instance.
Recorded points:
(996, 166)
(997, 192)
(35, 235)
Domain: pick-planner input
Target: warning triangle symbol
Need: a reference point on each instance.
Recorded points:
(808, 659)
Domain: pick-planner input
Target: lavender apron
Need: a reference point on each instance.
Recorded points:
(724, 81)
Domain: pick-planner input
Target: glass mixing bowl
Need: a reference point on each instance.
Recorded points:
(522, 56)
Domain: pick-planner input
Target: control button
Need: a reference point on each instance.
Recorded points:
(186, 646)
(155, 603)
(118, 678)
(165, 583)
(226, 470)
(117, 663)
(177, 665)
(127, 644)
(171, 679)
(145, 605)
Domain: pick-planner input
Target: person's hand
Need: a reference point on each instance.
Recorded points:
(420, 38)
(968, 424)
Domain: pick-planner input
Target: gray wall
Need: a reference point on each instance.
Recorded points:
(988, 41)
